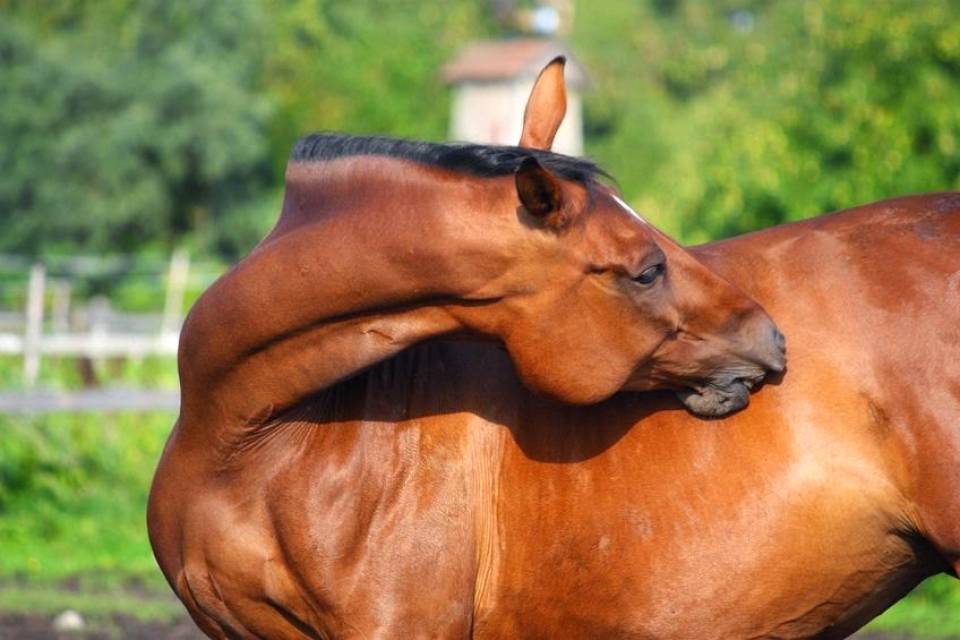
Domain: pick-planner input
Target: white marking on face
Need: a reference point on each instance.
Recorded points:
(629, 209)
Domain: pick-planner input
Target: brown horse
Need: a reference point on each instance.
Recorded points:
(307, 492)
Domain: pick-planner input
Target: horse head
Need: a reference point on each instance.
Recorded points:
(383, 243)
(599, 300)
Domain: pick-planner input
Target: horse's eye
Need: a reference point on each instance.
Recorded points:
(650, 274)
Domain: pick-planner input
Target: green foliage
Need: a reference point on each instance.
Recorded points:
(366, 66)
(73, 486)
(748, 114)
(126, 124)
(72, 494)
(130, 125)
(928, 612)
(64, 373)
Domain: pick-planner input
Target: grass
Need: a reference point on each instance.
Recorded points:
(73, 490)
(64, 373)
(932, 610)
(73, 487)
(72, 494)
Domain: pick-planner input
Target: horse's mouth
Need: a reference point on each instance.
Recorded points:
(713, 400)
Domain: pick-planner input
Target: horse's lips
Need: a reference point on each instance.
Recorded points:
(713, 401)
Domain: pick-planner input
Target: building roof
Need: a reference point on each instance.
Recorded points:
(492, 60)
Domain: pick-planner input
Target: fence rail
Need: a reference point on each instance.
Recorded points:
(90, 400)
(94, 331)
(92, 345)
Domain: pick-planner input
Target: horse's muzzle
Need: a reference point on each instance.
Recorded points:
(713, 401)
(729, 391)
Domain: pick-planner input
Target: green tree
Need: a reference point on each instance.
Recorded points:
(130, 125)
(745, 114)
(127, 124)
(365, 66)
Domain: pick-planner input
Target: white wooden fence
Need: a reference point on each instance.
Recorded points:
(93, 400)
(103, 333)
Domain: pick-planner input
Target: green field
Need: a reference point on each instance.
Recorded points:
(73, 489)
(72, 531)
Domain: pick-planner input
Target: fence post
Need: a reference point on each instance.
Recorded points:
(176, 290)
(34, 325)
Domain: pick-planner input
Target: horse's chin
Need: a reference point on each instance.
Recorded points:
(715, 401)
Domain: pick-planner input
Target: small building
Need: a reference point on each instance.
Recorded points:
(491, 82)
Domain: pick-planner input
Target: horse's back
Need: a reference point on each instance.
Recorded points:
(908, 233)
(882, 278)
(871, 295)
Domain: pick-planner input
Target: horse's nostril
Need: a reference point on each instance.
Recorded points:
(779, 339)
(777, 365)
(775, 351)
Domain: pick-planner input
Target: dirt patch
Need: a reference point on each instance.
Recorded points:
(16, 626)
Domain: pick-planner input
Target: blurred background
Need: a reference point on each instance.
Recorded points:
(142, 149)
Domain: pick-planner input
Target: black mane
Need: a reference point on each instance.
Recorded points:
(473, 159)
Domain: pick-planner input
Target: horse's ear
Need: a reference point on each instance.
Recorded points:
(540, 192)
(546, 107)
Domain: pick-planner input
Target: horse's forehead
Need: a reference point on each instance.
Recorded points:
(623, 205)
(619, 220)
(622, 235)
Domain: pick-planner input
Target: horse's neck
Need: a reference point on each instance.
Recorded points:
(355, 271)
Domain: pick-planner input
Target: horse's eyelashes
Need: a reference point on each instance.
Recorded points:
(650, 275)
